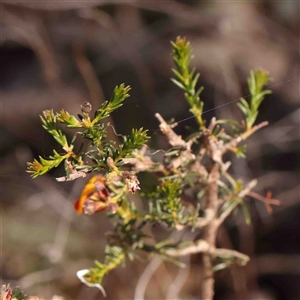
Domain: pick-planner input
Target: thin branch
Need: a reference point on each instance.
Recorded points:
(166, 129)
(143, 163)
(234, 142)
(209, 215)
(267, 200)
(238, 257)
(176, 141)
(241, 194)
(201, 246)
(73, 176)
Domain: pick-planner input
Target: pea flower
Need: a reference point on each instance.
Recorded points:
(94, 197)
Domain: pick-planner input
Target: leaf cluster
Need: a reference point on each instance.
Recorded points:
(165, 205)
(186, 78)
(257, 80)
(114, 256)
(92, 133)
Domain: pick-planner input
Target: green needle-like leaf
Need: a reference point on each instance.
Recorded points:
(65, 118)
(256, 82)
(119, 95)
(187, 78)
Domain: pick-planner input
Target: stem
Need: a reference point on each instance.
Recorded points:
(210, 233)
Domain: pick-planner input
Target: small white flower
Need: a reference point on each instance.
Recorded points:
(131, 181)
(80, 274)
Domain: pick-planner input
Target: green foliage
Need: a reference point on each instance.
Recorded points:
(65, 118)
(90, 130)
(166, 205)
(186, 78)
(119, 95)
(192, 169)
(240, 151)
(18, 294)
(136, 140)
(256, 83)
(114, 256)
(50, 125)
(37, 168)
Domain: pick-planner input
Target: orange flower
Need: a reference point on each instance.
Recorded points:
(94, 197)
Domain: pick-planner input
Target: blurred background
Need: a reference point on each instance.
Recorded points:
(59, 54)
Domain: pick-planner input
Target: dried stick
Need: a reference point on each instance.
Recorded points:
(210, 231)
(202, 246)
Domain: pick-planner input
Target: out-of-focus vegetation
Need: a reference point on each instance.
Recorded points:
(56, 55)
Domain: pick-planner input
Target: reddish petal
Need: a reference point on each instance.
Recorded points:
(78, 207)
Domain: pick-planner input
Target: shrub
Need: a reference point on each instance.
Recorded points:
(194, 163)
